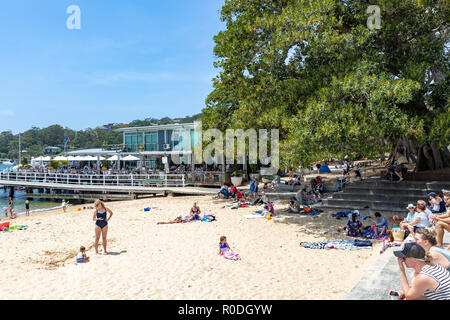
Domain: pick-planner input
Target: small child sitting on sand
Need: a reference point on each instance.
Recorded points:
(82, 257)
(239, 197)
(268, 207)
(225, 250)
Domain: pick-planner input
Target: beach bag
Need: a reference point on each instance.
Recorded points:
(399, 235)
(4, 226)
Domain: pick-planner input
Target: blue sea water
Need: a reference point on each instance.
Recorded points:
(36, 205)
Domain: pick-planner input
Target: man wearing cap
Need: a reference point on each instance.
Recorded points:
(429, 281)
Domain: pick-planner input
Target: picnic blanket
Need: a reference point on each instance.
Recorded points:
(313, 212)
(338, 244)
(370, 233)
(347, 214)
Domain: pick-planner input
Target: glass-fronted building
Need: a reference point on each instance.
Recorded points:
(153, 142)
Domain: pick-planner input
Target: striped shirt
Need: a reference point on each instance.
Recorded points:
(442, 276)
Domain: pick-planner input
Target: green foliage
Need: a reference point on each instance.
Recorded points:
(35, 139)
(331, 86)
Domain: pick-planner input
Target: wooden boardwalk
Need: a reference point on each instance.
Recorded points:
(108, 188)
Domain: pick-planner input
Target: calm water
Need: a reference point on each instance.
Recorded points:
(37, 205)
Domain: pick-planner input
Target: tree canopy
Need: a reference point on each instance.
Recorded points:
(329, 83)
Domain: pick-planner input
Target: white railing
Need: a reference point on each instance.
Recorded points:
(145, 180)
(205, 177)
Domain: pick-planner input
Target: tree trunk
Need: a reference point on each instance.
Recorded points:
(426, 156)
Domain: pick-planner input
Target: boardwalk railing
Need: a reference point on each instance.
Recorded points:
(145, 180)
(205, 178)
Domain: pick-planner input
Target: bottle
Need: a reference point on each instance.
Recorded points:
(393, 295)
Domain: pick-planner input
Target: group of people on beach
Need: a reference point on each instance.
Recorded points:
(431, 264)
(423, 251)
(12, 213)
(436, 214)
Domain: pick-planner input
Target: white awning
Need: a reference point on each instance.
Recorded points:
(60, 158)
(113, 158)
(131, 158)
(40, 159)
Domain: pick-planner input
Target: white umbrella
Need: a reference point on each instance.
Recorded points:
(113, 158)
(130, 158)
(60, 158)
(46, 158)
(71, 158)
(90, 158)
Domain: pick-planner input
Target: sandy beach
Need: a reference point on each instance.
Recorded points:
(180, 261)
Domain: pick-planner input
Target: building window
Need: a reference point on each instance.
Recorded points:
(151, 141)
(132, 141)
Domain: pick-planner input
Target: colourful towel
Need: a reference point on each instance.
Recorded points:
(228, 254)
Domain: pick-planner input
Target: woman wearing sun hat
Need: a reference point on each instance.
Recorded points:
(412, 215)
(429, 281)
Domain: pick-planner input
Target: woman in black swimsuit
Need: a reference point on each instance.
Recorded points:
(101, 223)
(27, 207)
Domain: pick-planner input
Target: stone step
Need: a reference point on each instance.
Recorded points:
(375, 205)
(388, 189)
(385, 197)
(362, 211)
(374, 183)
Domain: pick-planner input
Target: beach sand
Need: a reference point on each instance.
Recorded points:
(180, 261)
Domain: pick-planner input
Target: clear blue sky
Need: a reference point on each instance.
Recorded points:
(131, 59)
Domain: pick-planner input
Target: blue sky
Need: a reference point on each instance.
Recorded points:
(131, 59)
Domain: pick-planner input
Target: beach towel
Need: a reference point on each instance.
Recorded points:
(254, 216)
(347, 214)
(312, 212)
(340, 214)
(208, 218)
(228, 254)
(338, 244)
(18, 227)
(370, 234)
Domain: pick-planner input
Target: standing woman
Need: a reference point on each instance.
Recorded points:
(101, 223)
